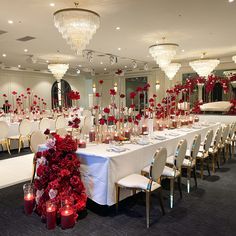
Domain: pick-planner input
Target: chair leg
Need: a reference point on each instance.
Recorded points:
(172, 186)
(161, 201)
(117, 197)
(179, 186)
(218, 159)
(201, 168)
(230, 151)
(223, 152)
(208, 167)
(8, 146)
(195, 176)
(19, 145)
(148, 208)
(188, 179)
(213, 162)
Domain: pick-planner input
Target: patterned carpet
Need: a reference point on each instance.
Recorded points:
(208, 210)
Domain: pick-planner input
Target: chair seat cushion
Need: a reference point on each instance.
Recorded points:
(137, 181)
(146, 169)
(170, 172)
(18, 136)
(188, 163)
(170, 160)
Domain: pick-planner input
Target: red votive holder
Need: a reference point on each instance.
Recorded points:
(91, 136)
(116, 137)
(82, 144)
(196, 119)
(160, 128)
(29, 198)
(107, 139)
(127, 134)
(144, 129)
(67, 217)
(174, 124)
(51, 213)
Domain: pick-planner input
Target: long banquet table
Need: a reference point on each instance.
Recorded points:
(100, 169)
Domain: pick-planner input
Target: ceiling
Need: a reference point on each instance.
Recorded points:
(197, 26)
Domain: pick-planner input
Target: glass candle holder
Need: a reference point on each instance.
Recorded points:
(82, 143)
(67, 217)
(29, 198)
(144, 129)
(116, 136)
(92, 135)
(127, 133)
(51, 213)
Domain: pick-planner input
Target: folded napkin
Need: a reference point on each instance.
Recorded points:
(116, 149)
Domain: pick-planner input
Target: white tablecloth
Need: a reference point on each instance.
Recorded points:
(100, 169)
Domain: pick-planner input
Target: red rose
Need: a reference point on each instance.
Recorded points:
(112, 92)
(97, 95)
(95, 107)
(102, 121)
(132, 106)
(130, 120)
(101, 81)
(138, 117)
(47, 132)
(111, 119)
(106, 110)
(14, 93)
(151, 100)
(132, 95)
(154, 95)
(139, 89)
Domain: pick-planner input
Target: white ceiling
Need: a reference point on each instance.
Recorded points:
(196, 25)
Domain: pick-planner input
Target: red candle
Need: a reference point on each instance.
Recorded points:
(127, 134)
(174, 123)
(196, 119)
(29, 203)
(91, 136)
(160, 128)
(51, 217)
(107, 140)
(144, 129)
(67, 218)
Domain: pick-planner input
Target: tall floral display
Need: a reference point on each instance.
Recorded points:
(58, 178)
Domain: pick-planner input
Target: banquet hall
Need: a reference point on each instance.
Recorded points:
(117, 117)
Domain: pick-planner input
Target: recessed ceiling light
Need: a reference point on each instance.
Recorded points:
(52, 4)
(117, 28)
(25, 50)
(19, 66)
(105, 68)
(80, 65)
(119, 49)
(4, 55)
(182, 50)
(231, 0)
(10, 21)
(78, 71)
(148, 56)
(125, 66)
(101, 62)
(47, 61)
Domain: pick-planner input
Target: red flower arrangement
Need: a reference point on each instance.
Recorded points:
(106, 110)
(58, 177)
(102, 121)
(74, 123)
(73, 95)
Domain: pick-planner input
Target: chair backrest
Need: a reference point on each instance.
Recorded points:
(62, 132)
(180, 153)
(60, 122)
(36, 139)
(196, 146)
(232, 129)
(225, 133)
(208, 140)
(217, 136)
(158, 164)
(4, 128)
(25, 127)
(44, 124)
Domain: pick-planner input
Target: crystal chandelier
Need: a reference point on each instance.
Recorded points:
(204, 66)
(163, 53)
(234, 58)
(77, 26)
(171, 70)
(58, 70)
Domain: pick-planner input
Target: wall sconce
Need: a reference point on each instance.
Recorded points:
(115, 87)
(157, 85)
(94, 88)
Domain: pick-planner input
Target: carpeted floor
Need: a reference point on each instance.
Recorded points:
(208, 210)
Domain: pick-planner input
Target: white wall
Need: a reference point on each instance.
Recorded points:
(41, 84)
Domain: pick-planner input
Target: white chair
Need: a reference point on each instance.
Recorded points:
(87, 125)
(62, 132)
(36, 139)
(223, 141)
(173, 171)
(140, 182)
(214, 149)
(24, 134)
(87, 113)
(189, 162)
(203, 154)
(4, 129)
(60, 122)
(44, 124)
(230, 140)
